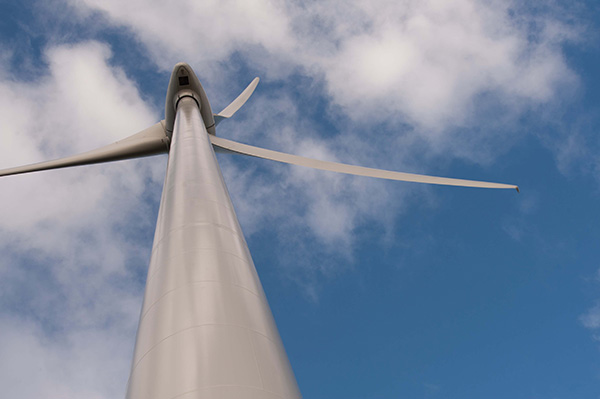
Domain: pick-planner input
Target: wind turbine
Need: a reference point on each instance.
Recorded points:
(206, 329)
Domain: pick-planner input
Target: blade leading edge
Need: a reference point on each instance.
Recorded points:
(245, 149)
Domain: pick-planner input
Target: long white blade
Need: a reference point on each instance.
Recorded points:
(245, 149)
(151, 141)
(237, 103)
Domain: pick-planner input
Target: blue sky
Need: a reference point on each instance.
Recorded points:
(379, 289)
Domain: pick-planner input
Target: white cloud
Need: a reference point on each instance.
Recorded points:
(80, 364)
(70, 243)
(591, 319)
(204, 32)
(427, 61)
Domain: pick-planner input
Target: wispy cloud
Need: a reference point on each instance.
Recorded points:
(591, 318)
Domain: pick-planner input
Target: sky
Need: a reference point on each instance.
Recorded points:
(380, 289)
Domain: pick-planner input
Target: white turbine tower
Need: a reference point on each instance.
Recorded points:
(206, 329)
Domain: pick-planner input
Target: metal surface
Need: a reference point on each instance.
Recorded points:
(206, 330)
(151, 141)
(234, 146)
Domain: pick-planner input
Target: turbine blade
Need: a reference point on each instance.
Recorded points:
(233, 146)
(237, 103)
(151, 141)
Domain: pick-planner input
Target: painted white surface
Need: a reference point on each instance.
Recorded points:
(236, 104)
(150, 141)
(258, 152)
(206, 329)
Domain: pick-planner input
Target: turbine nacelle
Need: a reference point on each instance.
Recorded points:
(185, 83)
